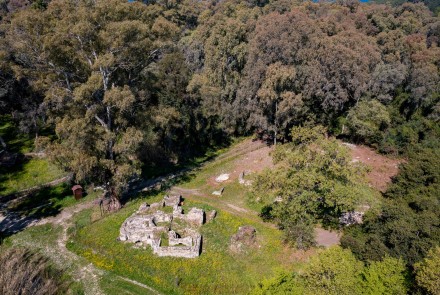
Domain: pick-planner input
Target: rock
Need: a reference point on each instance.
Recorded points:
(211, 215)
(243, 181)
(195, 216)
(143, 207)
(172, 200)
(350, 218)
(241, 178)
(218, 193)
(222, 177)
(245, 237)
(278, 199)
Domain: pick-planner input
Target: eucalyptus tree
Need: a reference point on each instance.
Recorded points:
(90, 60)
(278, 97)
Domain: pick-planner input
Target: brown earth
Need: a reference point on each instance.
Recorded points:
(252, 156)
(382, 168)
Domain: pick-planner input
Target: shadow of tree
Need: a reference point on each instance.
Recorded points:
(17, 170)
(28, 209)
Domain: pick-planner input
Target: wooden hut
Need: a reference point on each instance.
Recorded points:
(77, 191)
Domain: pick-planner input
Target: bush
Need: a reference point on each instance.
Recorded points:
(428, 272)
(367, 121)
(22, 272)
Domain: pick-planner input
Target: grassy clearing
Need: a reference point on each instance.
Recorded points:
(27, 174)
(113, 285)
(216, 271)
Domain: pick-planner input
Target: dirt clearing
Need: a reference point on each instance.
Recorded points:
(382, 168)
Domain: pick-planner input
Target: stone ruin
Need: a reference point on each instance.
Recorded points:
(151, 225)
(242, 180)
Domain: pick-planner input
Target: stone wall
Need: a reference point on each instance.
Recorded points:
(181, 251)
(141, 228)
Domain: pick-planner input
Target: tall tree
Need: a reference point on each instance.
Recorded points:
(90, 60)
(278, 96)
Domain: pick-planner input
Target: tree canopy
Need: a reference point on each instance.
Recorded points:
(314, 179)
(337, 271)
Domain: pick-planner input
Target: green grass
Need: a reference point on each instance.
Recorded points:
(25, 173)
(15, 141)
(194, 162)
(48, 201)
(113, 285)
(28, 174)
(216, 271)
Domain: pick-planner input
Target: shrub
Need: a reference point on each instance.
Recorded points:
(23, 272)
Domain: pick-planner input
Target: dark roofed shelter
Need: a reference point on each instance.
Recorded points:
(77, 191)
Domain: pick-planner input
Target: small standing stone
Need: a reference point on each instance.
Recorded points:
(211, 215)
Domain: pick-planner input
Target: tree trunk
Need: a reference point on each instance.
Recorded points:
(276, 124)
(3, 143)
(114, 204)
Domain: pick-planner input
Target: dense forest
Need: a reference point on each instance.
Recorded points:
(112, 89)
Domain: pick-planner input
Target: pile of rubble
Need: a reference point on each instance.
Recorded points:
(245, 237)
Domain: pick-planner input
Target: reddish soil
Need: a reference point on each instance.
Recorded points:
(253, 156)
(327, 238)
(382, 168)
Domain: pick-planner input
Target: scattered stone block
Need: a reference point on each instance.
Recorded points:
(211, 215)
(241, 178)
(218, 193)
(243, 181)
(222, 177)
(195, 216)
(172, 200)
(278, 199)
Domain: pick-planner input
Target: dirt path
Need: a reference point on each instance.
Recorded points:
(140, 285)
(88, 274)
(81, 270)
(78, 267)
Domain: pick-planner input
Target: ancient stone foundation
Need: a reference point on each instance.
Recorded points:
(149, 225)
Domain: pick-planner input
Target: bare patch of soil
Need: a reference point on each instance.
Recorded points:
(326, 238)
(254, 157)
(382, 168)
